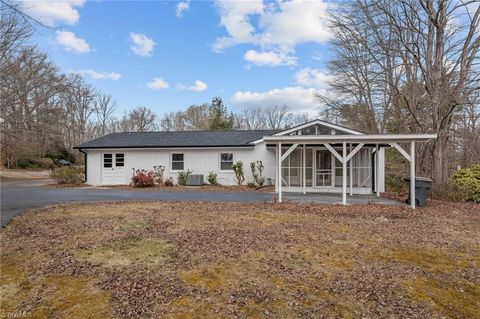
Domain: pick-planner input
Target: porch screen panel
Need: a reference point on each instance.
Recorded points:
(292, 168)
(362, 168)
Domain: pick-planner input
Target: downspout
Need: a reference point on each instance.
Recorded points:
(85, 154)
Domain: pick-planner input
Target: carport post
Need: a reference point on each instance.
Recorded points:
(351, 172)
(344, 174)
(304, 170)
(412, 174)
(280, 172)
(377, 164)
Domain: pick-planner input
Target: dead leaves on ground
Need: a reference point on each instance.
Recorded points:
(194, 260)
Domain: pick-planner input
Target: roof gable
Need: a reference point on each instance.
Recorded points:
(331, 126)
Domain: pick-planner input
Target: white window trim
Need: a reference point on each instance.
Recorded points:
(171, 162)
(220, 161)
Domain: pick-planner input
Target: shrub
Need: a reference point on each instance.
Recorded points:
(212, 178)
(238, 169)
(66, 175)
(395, 184)
(466, 182)
(143, 178)
(57, 151)
(35, 163)
(158, 174)
(257, 172)
(251, 185)
(168, 182)
(183, 177)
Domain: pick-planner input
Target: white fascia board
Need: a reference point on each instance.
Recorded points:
(366, 138)
(320, 122)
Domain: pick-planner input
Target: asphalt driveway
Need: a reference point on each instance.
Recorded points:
(20, 196)
(17, 197)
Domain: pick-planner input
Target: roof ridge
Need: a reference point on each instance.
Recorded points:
(197, 131)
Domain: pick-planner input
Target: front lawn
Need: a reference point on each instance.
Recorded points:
(227, 260)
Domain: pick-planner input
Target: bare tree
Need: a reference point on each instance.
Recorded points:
(15, 30)
(272, 118)
(141, 119)
(406, 66)
(105, 106)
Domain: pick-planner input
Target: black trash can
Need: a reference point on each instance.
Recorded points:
(423, 185)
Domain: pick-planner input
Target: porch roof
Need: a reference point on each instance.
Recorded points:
(366, 138)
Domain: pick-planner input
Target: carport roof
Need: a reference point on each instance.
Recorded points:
(240, 138)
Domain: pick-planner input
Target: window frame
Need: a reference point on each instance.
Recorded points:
(122, 161)
(220, 161)
(177, 161)
(111, 160)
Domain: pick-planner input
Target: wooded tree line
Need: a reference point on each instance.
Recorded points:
(45, 111)
(409, 66)
(405, 66)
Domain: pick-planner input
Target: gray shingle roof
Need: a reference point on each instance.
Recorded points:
(176, 139)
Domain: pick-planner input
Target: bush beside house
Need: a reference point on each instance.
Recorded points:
(67, 175)
(465, 184)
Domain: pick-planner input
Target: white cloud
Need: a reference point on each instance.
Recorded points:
(199, 86)
(71, 42)
(100, 75)
(298, 99)
(141, 44)
(158, 84)
(234, 16)
(55, 12)
(312, 78)
(281, 25)
(181, 8)
(269, 58)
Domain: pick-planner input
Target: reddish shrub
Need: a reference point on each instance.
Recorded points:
(143, 178)
(168, 182)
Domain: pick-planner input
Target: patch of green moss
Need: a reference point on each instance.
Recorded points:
(71, 297)
(453, 300)
(428, 258)
(211, 278)
(124, 252)
(136, 225)
(187, 307)
(58, 296)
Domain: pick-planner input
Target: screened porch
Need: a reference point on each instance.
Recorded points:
(316, 169)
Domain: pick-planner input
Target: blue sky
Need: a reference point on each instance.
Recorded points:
(169, 55)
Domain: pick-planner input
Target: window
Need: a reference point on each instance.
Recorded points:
(226, 161)
(107, 160)
(177, 161)
(119, 160)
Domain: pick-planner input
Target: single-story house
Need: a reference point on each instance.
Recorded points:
(316, 156)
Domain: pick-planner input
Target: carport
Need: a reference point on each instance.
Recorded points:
(337, 145)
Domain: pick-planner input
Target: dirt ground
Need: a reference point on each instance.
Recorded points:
(22, 174)
(229, 260)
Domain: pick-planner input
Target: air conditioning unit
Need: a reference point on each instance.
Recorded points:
(195, 180)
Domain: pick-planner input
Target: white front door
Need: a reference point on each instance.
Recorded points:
(113, 168)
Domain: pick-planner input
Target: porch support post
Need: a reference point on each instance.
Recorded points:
(276, 170)
(377, 162)
(280, 172)
(412, 174)
(344, 175)
(304, 170)
(351, 173)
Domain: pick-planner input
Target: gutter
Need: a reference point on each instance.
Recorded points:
(161, 147)
(85, 154)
